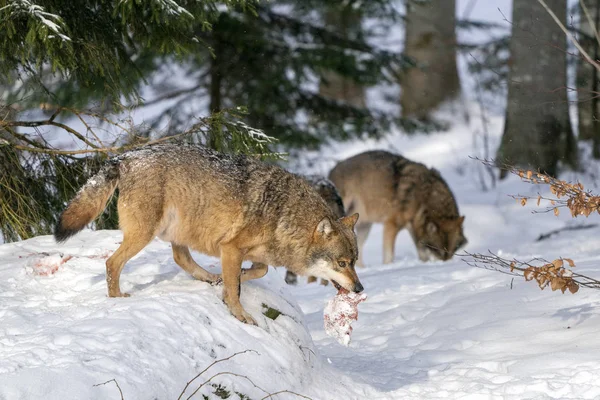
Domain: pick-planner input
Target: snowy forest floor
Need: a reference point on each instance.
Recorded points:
(427, 330)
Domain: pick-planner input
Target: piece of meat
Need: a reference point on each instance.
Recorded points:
(339, 314)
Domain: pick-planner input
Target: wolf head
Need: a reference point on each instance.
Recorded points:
(333, 252)
(439, 238)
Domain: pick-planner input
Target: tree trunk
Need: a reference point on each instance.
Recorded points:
(588, 106)
(431, 42)
(333, 85)
(537, 130)
(215, 92)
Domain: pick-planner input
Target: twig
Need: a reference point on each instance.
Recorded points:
(116, 383)
(268, 395)
(170, 95)
(575, 198)
(571, 38)
(51, 122)
(113, 149)
(207, 368)
(590, 21)
(544, 275)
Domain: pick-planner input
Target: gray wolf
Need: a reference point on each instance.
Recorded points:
(230, 206)
(390, 189)
(329, 193)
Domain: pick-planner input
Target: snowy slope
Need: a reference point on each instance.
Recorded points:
(427, 330)
(60, 334)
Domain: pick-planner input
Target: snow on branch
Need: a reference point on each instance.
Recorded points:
(51, 21)
(169, 7)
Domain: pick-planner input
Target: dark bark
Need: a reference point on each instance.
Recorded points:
(333, 85)
(431, 42)
(588, 106)
(537, 131)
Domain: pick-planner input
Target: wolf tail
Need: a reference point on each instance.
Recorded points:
(88, 203)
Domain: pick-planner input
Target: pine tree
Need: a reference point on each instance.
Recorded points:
(272, 61)
(61, 53)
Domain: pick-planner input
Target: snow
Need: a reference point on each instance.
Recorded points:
(427, 330)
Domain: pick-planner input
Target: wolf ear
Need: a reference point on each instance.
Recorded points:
(349, 221)
(324, 228)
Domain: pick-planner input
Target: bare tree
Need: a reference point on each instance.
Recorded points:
(431, 42)
(537, 130)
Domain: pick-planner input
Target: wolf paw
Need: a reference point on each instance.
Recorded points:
(216, 282)
(119, 294)
(244, 317)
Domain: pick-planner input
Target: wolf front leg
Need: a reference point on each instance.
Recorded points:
(231, 262)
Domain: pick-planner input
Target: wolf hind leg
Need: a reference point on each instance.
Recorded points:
(256, 271)
(131, 245)
(390, 231)
(183, 258)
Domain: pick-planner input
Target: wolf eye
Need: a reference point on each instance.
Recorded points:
(342, 264)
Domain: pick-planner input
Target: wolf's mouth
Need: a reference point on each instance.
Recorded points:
(336, 285)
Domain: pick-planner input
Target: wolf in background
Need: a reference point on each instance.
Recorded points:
(229, 206)
(387, 188)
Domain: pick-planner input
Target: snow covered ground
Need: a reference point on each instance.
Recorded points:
(427, 330)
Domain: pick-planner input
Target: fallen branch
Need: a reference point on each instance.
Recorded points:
(545, 236)
(211, 365)
(268, 395)
(116, 383)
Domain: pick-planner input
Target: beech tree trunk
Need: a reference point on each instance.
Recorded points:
(333, 85)
(537, 130)
(588, 106)
(431, 42)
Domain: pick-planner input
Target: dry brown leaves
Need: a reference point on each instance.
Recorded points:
(552, 274)
(557, 274)
(570, 195)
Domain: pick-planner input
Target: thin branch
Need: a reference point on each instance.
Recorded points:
(169, 96)
(268, 394)
(571, 38)
(89, 129)
(116, 383)
(22, 137)
(112, 149)
(542, 274)
(590, 21)
(207, 368)
(35, 124)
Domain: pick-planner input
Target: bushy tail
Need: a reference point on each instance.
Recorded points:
(88, 203)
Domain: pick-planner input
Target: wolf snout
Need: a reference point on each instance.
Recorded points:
(358, 287)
